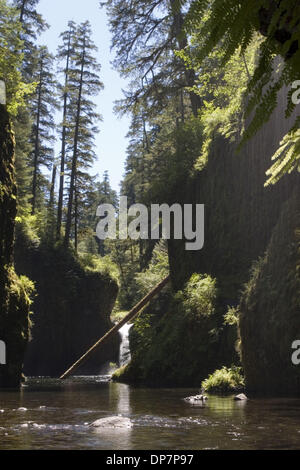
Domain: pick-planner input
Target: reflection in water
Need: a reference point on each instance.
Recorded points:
(119, 399)
(226, 406)
(119, 396)
(57, 415)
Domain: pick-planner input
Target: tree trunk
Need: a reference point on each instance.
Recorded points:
(22, 10)
(36, 143)
(63, 149)
(189, 74)
(74, 160)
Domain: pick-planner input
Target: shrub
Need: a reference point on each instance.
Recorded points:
(231, 317)
(102, 264)
(198, 297)
(225, 380)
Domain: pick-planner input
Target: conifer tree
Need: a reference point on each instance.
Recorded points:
(145, 36)
(84, 83)
(43, 105)
(64, 54)
(31, 26)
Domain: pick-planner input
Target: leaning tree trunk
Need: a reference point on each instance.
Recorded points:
(14, 301)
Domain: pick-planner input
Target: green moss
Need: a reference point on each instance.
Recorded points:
(15, 292)
(118, 315)
(270, 306)
(224, 381)
(102, 264)
(121, 372)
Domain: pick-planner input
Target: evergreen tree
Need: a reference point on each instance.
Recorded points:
(100, 192)
(11, 58)
(64, 54)
(43, 105)
(82, 118)
(145, 36)
(31, 26)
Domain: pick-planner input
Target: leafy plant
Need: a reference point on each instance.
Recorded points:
(225, 380)
(198, 297)
(232, 25)
(231, 317)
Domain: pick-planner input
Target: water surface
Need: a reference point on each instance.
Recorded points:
(50, 414)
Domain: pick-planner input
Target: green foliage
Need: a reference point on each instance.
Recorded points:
(96, 263)
(119, 373)
(118, 315)
(11, 58)
(32, 226)
(80, 122)
(225, 380)
(157, 270)
(99, 193)
(287, 157)
(175, 340)
(233, 25)
(231, 317)
(198, 297)
(126, 256)
(222, 88)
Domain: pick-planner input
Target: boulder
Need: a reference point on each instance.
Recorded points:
(112, 422)
(240, 397)
(196, 399)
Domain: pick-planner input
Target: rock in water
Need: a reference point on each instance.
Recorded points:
(196, 399)
(240, 397)
(112, 422)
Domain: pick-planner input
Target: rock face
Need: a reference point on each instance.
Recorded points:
(14, 301)
(240, 217)
(240, 397)
(196, 400)
(71, 310)
(270, 310)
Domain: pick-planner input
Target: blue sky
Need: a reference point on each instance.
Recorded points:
(111, 142)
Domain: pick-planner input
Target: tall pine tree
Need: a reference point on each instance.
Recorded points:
(82, 118)
(43, 105)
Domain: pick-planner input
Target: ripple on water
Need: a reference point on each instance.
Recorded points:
(169, 422)
(32, 426)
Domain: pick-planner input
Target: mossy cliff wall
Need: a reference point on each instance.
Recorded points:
(14, 301)
(240, 217)
(270, 309)
(70, 312)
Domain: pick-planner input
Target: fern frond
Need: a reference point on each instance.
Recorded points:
(287, 157)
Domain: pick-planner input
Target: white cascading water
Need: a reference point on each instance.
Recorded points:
(124, 357)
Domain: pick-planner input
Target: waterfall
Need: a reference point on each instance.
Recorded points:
(124, 357)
